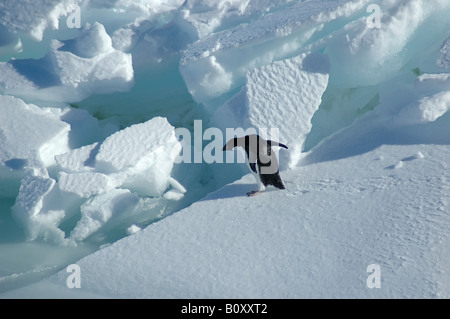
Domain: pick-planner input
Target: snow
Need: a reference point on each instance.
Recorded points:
(41, 131)
(433, 99)
(92, 41)
(96, 212)
(281, 93)
(133, 229)
(283, 96)
(33, 18)
(77, 160)
(85, 184)
(378, 52)
(90, 173)
(35, 187)
(206, 16)
(72, 70)
(144, 153)
(100, 180)
(125, 149)
(314, 239)
(246, 46)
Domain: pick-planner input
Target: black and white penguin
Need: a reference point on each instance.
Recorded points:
(260, 159)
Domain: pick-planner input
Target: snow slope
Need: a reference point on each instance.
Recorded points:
(387, 207)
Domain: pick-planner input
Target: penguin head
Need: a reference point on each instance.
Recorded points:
(246, 142)
(232, 143)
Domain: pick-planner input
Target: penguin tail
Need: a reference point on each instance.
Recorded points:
(273, 179)
(278, 183)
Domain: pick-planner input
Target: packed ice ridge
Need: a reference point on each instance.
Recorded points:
(137, 160)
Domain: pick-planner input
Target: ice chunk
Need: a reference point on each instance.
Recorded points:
(92, 41)
(214, 82)
(103, 178)
(71, 71)
(86, 184)
(434, 107)
(173, 195)
(35, 186)
(96, 212)
(31, 18)
(176, 185)
(133, 229)
(32, 191)
(78, 160)
(11, 80)
(139, 158)
(147, 8)
(340, 108)
(285, 95)
(152, 181)
(363, 54)
(281, 97)
(206, 16)
(105, 72)
(433, 100)
(126, 148)
(26, 127)
(40, 207)
(34, 17)
(145, 153)
(122, 39)
(177, 192)
(428, 109)
(228, 55)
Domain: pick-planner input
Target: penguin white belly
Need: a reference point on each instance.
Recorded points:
(255, 173)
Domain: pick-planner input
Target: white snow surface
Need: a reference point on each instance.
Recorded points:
(314, 240)
(40, 130)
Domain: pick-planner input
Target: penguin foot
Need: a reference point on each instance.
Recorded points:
(253, 193)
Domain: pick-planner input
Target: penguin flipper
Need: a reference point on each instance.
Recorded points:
(273, 143)
(282, 145)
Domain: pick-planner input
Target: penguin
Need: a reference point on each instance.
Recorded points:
(260, 159)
